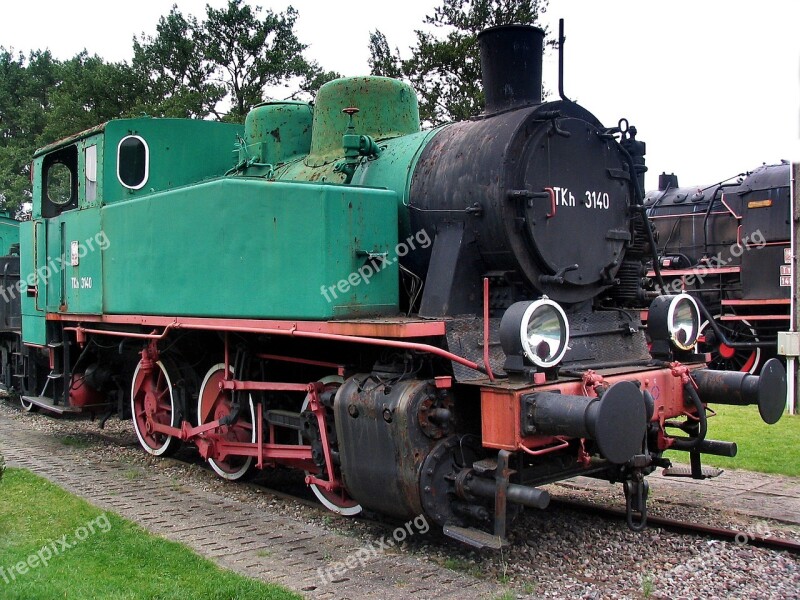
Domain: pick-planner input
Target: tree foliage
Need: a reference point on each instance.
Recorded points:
(178, 79)
(218, 67)
(26, 86)
(225, 64)
(90, 91)
(445, 71)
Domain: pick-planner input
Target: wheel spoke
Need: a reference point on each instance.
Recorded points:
(213, 403)
(157, 382)
(338, 500)
(726, 358)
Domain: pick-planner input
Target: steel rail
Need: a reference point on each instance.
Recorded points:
(743, 538)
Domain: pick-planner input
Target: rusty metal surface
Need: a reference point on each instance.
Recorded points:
(392, 327)
(500, 403)
(465, 338)
(381, 420)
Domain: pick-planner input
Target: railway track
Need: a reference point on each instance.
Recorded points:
(669, 524)
(720, 533)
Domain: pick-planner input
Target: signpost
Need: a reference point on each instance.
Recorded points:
(789, 341)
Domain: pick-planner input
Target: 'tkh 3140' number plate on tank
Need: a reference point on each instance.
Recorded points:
(81, 283)
(591, 199)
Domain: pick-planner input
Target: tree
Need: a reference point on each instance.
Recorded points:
(251, 54)
(25, 99)
(89, 92)
(446, 72)
(382, 60)
(224, 65)
(173, 65)
(218, 67)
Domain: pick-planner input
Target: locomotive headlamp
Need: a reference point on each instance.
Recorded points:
(537, 331)
(675, 319)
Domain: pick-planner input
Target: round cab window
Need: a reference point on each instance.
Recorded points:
(132, 162)
(59, 184)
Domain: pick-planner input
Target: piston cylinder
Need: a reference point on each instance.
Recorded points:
(383, 440)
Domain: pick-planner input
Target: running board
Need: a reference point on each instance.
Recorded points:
(48, 404)
(474, 537)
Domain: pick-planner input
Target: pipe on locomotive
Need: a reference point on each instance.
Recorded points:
(561, 40)
(720, 334)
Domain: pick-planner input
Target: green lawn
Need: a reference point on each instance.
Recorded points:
(109, 558)
(762, 447)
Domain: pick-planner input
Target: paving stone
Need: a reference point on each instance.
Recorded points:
(292, 550)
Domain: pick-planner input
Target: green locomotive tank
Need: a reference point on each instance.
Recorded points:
(375, 145)
(137, 217)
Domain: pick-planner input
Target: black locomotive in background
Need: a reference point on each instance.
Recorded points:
(729, 245)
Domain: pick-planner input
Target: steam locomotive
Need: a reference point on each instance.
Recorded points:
(729, 245)
(429, 322)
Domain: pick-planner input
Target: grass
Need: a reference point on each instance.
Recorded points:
(131, 474)
(116, 559)
(764, 448)
(462, 565)
(647, 585)
(529, 587)
(75, 442)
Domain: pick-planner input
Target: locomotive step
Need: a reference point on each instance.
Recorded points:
(487, 465)
(685, 471)
(48, 404)
(474, 537)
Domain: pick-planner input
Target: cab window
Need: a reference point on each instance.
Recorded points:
(133, 157)
(90, 161)
(60, 182)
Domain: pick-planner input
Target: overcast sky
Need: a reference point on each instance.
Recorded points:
(712, 86)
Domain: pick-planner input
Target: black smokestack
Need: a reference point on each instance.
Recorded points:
(511, 66)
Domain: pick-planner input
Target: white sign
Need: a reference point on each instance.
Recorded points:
(74, 259)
